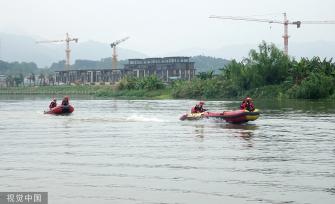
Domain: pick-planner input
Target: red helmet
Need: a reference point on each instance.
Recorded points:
(66, 98)
(201, 103)
(248, 99)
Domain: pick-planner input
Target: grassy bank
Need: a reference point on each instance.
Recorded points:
(171, 92)
(52, 90)
(103, 91)
(135, 94)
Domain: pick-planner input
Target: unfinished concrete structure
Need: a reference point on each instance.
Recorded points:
(167, 69)
(93, 76)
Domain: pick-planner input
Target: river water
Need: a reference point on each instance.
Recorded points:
(137, 151)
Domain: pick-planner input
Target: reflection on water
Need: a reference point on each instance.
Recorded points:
(244, 126)
(243, 131)
(120, 151)
(199, 130)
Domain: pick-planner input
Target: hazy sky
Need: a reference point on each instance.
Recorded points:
(163, 26)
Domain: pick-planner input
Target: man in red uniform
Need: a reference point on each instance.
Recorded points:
(247, 104)
(198, 108)
(53, 103)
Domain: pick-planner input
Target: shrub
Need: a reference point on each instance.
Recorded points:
(315, 86)
(147, 83)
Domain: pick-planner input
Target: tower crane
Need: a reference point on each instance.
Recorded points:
(285, 22)
(67, 49)
(113, 45)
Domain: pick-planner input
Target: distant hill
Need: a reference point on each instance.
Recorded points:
(84, 64)
(205, 63)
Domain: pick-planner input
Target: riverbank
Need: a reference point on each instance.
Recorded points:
(52, 90)
(101, 91)
(107, 91)
(280, 92)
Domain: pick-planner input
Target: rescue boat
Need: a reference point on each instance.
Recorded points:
(234, 116)
(58, 110)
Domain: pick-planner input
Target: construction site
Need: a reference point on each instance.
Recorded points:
(166, 69)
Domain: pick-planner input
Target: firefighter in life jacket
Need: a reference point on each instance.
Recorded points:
(65, 101)
(53, 103)
(198, 108)
(247, 104)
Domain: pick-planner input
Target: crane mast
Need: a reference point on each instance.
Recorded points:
(285, 22)
(285, 36)
(114, 55)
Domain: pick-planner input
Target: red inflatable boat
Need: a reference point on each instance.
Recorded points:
(60, 110)
(235, 116)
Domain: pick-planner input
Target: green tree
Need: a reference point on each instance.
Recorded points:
(33, 78)
(51, 79)
(18, 80)
(41, 78)
(206, 75)
(270, 64)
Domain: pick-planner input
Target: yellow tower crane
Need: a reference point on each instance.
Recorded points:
(67, 40)
(114, 58)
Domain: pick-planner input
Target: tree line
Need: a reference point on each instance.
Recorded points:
(25, 73)
(267, 72)
(31, 80)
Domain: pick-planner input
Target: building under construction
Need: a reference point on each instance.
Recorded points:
(167, 69)
(91, 76)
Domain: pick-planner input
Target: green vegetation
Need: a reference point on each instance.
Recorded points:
(132, 87)
(54, 90)
(15, 73)
(267, 72)
(146, 83)
(104, 91)
(198, 88)
(135, 94)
